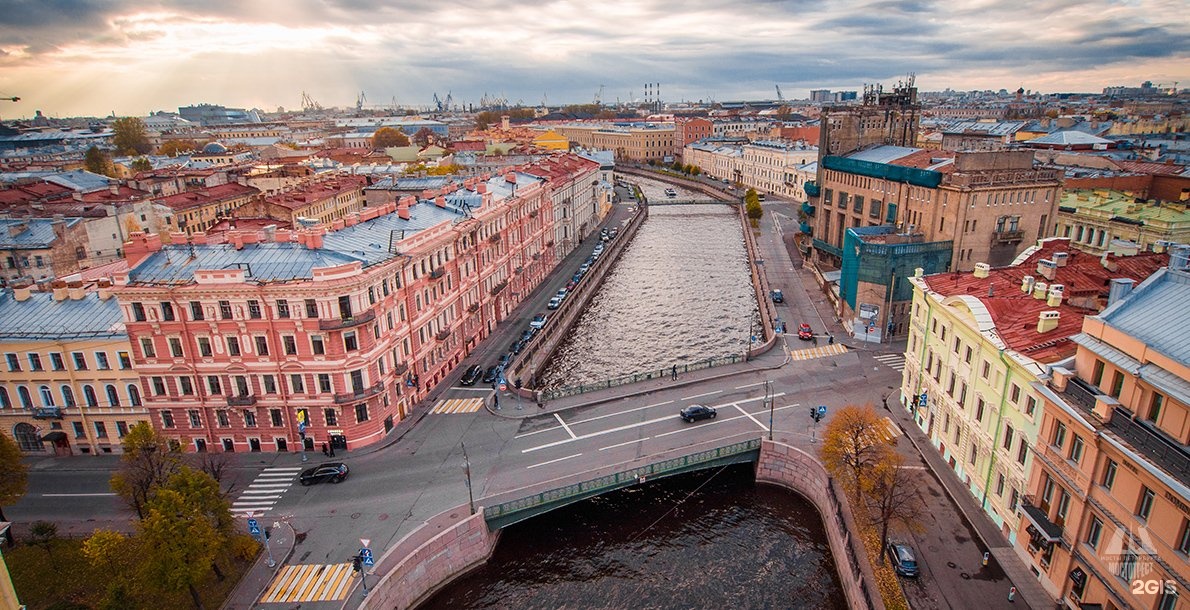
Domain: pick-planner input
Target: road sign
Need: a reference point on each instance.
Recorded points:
(253, 527)
(504, 387)
(922, 400)
(821, 410)
(365, 556)
(365, 542)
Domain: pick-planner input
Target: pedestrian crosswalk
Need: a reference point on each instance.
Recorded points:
(458, 405)
(894, 361)
(309, 583)
(264, 491)
(891, 430)
(821, 351)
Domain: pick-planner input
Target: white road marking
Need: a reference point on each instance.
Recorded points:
(568, 430)
(536, 432)
(597, 417)
(701, 395)
(749, 416)
(626, 443)
(80, 495)
(552, 461)
(740, 387)
(467, 389)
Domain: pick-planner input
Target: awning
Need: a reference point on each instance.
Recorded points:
(1047, 530)
(54, 436)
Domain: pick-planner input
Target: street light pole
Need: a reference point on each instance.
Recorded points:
(467, 473)
(768, 397)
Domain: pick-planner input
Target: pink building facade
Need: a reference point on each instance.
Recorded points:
(282, 337)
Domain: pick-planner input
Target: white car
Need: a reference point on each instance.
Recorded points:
(539, 321)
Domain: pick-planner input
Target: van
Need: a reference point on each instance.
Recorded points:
(760, 196)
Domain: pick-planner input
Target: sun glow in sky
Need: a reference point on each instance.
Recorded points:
(92, 57)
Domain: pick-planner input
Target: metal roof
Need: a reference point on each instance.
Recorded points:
(37, 232)
(40, 317)
(1069, 138)
(1156, 313)
(883, 154)
(266, 262)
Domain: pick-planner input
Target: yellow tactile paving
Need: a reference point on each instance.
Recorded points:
(309, 583)
(821, 351)
(458, 405)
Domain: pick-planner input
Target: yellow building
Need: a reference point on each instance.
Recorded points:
(67, 385)
(552, 140)
(633, 142)
(198, 210)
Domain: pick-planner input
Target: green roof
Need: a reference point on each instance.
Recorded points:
(1117, 204)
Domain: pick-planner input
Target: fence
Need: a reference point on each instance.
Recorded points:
(661, 373)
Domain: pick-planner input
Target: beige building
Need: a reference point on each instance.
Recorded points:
(325, 201)
(1094, 218)
(638, 142)
(772, 167)
(67, 385)
(197, 210)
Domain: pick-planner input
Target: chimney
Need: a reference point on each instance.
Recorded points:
(481, 188)
(510, 177)
(1027, 284)
(114, 188)
(982, 270)
(351, 219)
(1120, 288)
(17, 228)
(237, 240)
(504, 122)
(1047, 321)
(1047, 268)
(77, 196)
(1061, 258)
(918, 272)
(1054, 297)
(1107, 262)
(1059, 377)
(21, 293)
(440, 201)
(314, 240)
(1039, 290)
(61, 292)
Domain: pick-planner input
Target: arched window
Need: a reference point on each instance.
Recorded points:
(89, 396)
(134, 394)
(68, 396)
(113, 397)
(27, 437)
(4, 400)
(47, 397)
(26, 400)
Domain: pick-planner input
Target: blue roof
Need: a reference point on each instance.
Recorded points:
(1156, 313)
(79, 180)
(37, 232)
(42, 318)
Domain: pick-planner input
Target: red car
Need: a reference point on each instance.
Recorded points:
(804, 333)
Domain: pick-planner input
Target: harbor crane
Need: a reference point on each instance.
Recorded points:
(780, 98)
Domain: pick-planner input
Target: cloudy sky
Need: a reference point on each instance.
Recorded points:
(95, 57)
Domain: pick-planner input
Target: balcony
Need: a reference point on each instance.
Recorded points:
(805, 227)
(401, 368)
(350, 322)
(48, 413)
(241, 401)
(472, 308)
(442, 334)
(807, 209)
(363, 394)
(1043, 528)
(437, 273)
(811, 188)
(1007, 237)
(1154, 444)
(498, 287)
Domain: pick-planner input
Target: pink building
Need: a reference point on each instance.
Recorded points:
(237, 344)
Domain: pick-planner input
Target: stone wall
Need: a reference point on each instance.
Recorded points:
(795, 469)
(423, 562)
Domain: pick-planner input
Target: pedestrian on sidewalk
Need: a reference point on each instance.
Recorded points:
(325, 451)
(675, 372)
(884, 399)
(332, 448)
(496, 401)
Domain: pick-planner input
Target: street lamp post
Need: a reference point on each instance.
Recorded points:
(768, 397)
(467, 474)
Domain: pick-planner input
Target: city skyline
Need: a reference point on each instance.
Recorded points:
(83, 58)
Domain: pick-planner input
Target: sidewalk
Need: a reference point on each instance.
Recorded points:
(258, 577)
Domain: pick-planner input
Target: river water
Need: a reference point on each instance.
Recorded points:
(681, 292)
(712, 539)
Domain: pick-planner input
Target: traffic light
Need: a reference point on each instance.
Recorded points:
(355, 563)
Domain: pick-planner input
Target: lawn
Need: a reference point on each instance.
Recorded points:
(60, 578)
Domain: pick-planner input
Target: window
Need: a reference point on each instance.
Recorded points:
(262, 346)
(175, 347)
(1030, 405)
(987, 368)
(1145, 506)
(1097, 373)
(332, 418)
(213, 385)
(101, 361)
(311, 308)
(134, 394)
(254, 309)
(89, 396)
(249, 418)
(195, 420)
(1015, 394)
(282, 308)
(289, 344)
(324, 383)
(158, 386)
(1022, 453)
(1109, 474)
(1059, 438)
(1168, 599)
(224, 310)
(1000, 484)
(1117, 383)
(138, 312)
(233, 346)
(167, 418)
(971, 457)
(350, 343)
(78, 430)
(1076, 449)
(121, 429)
(113, 397)
(1184, 541)
(296, 385)
(204, 347)
(57, 364)
(270, 384)
(357, 381)
(14, 363)
(125, 360)
(1127, 565)
(222, 419)
(196, 311)
(67, 397)
(167, 312)
(47, 397)
(146, 347)
(186, 386)
(1155, 407)
(275, 417)
(361, 413)
(241, 385)
(5, 401)
(1094, 532)
(317, 346)
(1008, 436)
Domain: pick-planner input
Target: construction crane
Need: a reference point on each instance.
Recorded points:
(11, 99)
(780, 98)
(599, 96)
(308, 103)
(360, 100)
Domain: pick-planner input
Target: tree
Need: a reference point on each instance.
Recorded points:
(853, 446)
(892, 495)
(43, 534)
(130, 136)
(178, 546)
(387, 137)
(14, 478)
(174, 148)
(423, 137)
(140, 164)
(147, 464)
(97, 162)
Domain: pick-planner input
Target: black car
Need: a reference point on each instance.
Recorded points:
(904, 562)
(516, 347)
(472, 375)
(491, 374)
(331, 471)
(697, 412)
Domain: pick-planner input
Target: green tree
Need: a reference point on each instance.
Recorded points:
(14, 478)
(97, 162)
(387, 137)
(130, 137)
(147, 463)
(853, 447)
(178, 544)
(43, 534)
(173, 148)
(140, 164)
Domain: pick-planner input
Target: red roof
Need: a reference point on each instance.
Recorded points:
(214, 194)
(313, 192)
(924, 159)
(1151, 167)
(561, 166)
(1015, 313)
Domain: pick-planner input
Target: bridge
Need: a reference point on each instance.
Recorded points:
(660, 202)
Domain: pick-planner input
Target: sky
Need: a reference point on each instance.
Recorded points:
(131, 57)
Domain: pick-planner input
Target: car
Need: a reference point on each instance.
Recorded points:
(528, 334)
(554, 303)
(613, 233)
(697, 412)
(904, 562)
(516, 347)
(539, 321)
(572, 284)
(490, 375)
(804, 332)
(583, 268)
(561, 294)
(330, 471)
(598, 249)
(472, 375)
(777, 296)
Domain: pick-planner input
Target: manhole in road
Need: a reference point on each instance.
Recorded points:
(382, 517)
(964, 576)
(355, 515)
(951, 564)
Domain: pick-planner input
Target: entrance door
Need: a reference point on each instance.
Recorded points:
(200, 445)
(229, 446)
(308, 443)
(282, 445)
(388, 423)
(254, 445)
(338, 441)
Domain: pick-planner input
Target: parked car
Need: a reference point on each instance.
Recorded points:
(539, 321)
(472, 375)
(528, 334)
(330, 471)
(904, 562)
(554, 303)
(777, 296)
(516, 347)
(613, 233)
(490, 375)
(598, 249)
(804, 332)
(697, 412)
(583, 268)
